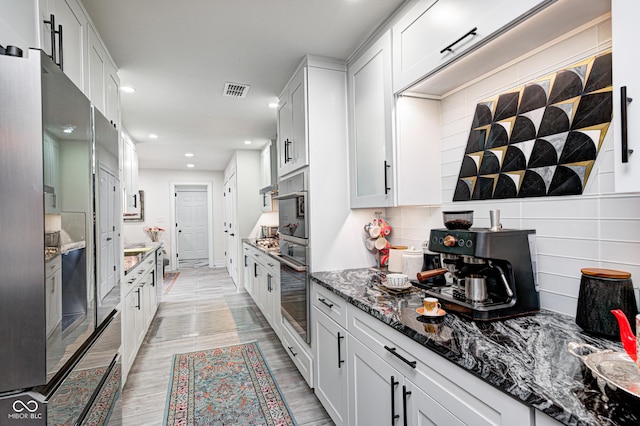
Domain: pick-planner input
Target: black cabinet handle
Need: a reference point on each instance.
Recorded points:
(255, 270)
(138, 305)
(405, 393)
(291, 350)
(386, 183)
(232, 234)
(403, 359)
(264, 200)
(269, 288)
(52, 23)
(394, 416)
(324, 301)
(474, 32)
(60, 54)
(246, 261)
(624, 102)
(135, 200)
(287, 157)
(340, 360)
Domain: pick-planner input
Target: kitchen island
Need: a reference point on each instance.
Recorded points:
(525, 358)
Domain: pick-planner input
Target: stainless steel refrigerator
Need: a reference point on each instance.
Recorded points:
(59, 361)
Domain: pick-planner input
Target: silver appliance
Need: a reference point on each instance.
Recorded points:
(50, 339)
(294, 287)
(492, 274)
(292, 203)
(294, 254)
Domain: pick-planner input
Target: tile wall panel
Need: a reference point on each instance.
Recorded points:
(573, 232)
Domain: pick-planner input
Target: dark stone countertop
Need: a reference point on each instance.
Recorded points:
(140, 252)
(524, 357)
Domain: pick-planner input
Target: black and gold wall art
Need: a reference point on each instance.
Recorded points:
(541, 139)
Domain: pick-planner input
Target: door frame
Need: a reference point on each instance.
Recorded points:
(173, 260)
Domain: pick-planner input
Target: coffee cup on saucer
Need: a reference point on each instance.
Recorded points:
(431, 306)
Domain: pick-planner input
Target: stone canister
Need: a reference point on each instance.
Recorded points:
(412, 262)
(602, 290)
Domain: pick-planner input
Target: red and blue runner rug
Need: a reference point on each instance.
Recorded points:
(232, 385)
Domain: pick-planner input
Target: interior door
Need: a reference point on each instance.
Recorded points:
(191, 215)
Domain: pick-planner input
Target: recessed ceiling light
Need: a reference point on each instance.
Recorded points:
(69, 129)
(188, 154)
(247, 142)
(273, 104)
(153, 136)
(127, 89)
(191, 165)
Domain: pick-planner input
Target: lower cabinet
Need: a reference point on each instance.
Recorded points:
(140, 304)
(53, 293)
(366, 373)
(331, 378)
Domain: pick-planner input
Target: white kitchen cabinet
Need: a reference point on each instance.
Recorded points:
(292, 147)
(53, 293)
(70, 15)
(331, 371)
(139, 306)
(371, 156)
(388, 169)
(298, 351)
(130, 173)
(626, 58)
(434, 33)
(104, 83)
(450, 395)
(262, 275)
(51, 178)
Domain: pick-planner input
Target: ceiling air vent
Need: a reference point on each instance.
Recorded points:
(236, 90)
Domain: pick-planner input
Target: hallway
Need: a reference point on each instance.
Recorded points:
(202, 310)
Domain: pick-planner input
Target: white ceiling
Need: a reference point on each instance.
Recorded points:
(179, 54)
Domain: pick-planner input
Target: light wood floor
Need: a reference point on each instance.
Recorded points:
(202, 311)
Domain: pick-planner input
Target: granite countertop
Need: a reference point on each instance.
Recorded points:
(141, 250)
(525, 357)
(273, 253)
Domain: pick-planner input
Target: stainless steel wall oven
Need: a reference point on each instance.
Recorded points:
(294, 254)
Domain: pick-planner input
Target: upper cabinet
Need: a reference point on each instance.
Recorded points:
(104, 84)
(388, 169)
(292, 129)
(63, 33)
(130, 174)
(371, 132)
(626, 114)
(434, 33)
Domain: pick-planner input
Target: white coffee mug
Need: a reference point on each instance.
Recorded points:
(374, 231)
(381, 243)
(370, 244)
(431, 306)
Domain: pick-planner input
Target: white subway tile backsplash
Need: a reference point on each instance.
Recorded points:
(620, 207)
(567, 286)
(561, 207)
(626, 230)
(565, 266)
(621, 251)
(574, 228)
(559, 303)
(576, 248)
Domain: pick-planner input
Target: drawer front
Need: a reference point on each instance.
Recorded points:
(52, 266)
(332, 305)
(474, 401)
(299, 355)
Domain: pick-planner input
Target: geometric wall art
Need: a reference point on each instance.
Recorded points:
(540, 139)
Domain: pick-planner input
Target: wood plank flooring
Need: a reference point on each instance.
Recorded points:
(201, 311)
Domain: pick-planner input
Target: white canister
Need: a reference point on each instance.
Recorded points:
(395, 258)
(412, 260)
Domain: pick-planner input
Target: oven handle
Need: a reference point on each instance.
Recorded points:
(297, 267)
(290, 195)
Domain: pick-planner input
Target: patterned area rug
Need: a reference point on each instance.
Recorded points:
(225, 386)
(168, 280)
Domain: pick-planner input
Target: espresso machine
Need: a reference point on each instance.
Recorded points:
(491, 274)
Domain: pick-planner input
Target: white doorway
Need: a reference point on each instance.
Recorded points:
(191, 219)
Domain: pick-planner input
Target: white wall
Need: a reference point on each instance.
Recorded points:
(597, 229)
(156, 185)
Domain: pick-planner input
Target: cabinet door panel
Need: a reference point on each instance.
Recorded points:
(422, 410)
(626, 59)
(298, 121)
(331, 379)
(74, 25)
(370, 397)
(371, 138)
(446, 23)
